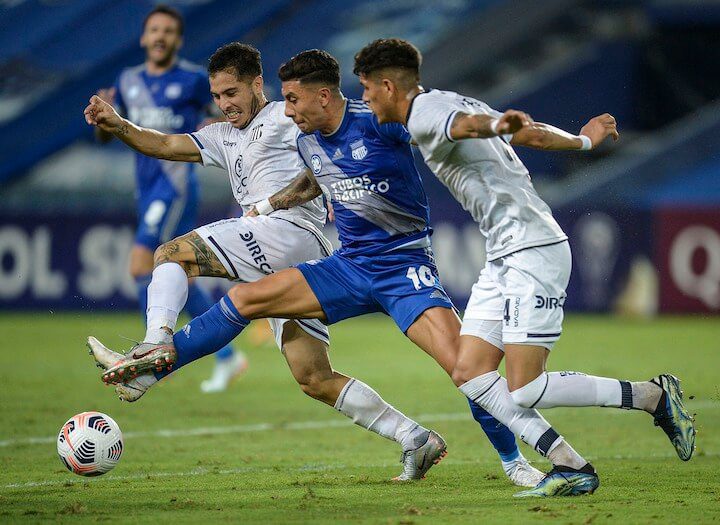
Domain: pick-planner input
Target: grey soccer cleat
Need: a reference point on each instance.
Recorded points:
(106, 358)
(135, 388)
(417, 462)
(142, 358)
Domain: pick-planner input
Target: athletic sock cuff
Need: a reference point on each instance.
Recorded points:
(546, 442)
(231, 314)
(626, 400)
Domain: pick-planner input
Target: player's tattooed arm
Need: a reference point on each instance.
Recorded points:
(547, 137)
(467, 126)
(302, 189)
(147, 141)
(193, 254)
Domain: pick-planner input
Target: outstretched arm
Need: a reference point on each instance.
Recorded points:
(469, 126)
(302, 189)
(547, 137)
(147, 141)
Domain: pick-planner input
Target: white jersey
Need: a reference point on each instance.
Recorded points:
(484, 175)
(260, 159)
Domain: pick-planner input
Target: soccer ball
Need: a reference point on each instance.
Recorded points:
(90, 444)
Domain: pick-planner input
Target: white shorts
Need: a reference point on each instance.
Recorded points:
(251, 248)
(525, 291)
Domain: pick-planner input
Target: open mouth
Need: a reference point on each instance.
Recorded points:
(232, 115)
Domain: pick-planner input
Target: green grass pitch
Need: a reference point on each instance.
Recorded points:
(264, 453)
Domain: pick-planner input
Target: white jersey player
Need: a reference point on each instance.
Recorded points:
(516, 307)
(257, 147)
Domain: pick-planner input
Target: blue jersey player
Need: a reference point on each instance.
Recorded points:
(170, 95)
(385, 263)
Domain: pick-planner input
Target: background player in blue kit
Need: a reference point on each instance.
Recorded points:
(170, 95)
(385, 263)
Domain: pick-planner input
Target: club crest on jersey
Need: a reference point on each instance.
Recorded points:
(173, 91)
(316, 164)
(359, 151)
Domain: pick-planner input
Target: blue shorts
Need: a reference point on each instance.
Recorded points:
(402, 284)
(163, 216)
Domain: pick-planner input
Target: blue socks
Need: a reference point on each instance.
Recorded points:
(207, 333)
(199, 302)
(142, 282)
(499, 435)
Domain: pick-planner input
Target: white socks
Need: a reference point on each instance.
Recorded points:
(367, 409)
(167, 294)
(573, 389)
(490, 391)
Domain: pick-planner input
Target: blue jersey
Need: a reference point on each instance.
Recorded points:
(173, 102)
(367, 171)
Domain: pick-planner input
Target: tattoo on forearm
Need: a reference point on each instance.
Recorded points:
(299, 191)
(123, 130)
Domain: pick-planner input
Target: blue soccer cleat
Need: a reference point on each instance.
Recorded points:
(564, 481)
(672, 416)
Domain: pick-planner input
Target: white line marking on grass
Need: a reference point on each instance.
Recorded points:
(301, 425)
(305, 468)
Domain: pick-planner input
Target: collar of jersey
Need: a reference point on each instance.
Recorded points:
(412, 102)
(343, 123)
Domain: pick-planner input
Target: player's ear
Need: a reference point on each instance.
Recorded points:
(257, 85)
(389, 88)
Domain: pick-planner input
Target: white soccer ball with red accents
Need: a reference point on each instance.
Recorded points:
(90, 444)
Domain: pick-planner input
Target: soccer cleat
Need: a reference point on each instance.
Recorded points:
(141, 359)
(104, 357)
(672, 416)
(417, 462)
(564, 481)
(224, 373)
(522, 473)
(135, 388)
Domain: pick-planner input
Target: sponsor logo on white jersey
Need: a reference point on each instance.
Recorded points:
(156, 118)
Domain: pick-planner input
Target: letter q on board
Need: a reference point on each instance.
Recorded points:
(706, 285)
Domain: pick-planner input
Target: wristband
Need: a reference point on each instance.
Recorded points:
(586, 142)
(494, 126)
(264, 207)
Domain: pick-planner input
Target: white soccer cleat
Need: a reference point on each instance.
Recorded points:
(417, 462)
(135, 388)
(104, 357)
(522, 473)
(225, 372)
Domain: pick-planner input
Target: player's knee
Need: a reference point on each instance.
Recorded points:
(527, 396)
(170, 253)
(315, 385)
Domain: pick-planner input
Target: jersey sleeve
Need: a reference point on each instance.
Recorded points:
(429, 124)
(209, 141)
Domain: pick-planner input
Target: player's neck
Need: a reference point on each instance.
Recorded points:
(158, 68)
(403, 106)
(335, 115)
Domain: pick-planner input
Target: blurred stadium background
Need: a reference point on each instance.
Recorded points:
(643, 215)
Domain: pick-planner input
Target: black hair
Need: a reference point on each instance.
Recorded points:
(169, 11)
(243, 59)
(386, 53)
(314, 65)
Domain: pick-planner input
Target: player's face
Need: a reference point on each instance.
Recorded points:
(303, 104)
(376, 95)
(161, 38)
(239, 100)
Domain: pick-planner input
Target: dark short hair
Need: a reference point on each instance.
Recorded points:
(169, 11)
(244, 59)
(314, 65)
(388, 53)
